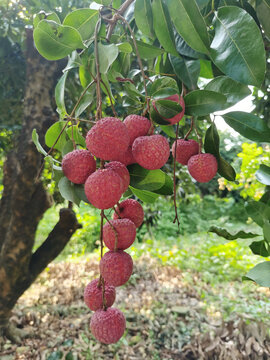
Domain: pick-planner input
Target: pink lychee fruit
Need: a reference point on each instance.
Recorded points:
(77, 165)
(137, 126)
(180, 100)
(116, 267)
(103, 188)
(121, 231)
(108, 139)
(93, 295)
(130, 209)
(151, 152)
(202, 167)
(121, 170)
(108, 326)
(126, 158)
(184, 150)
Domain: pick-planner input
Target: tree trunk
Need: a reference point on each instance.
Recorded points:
(25, 199)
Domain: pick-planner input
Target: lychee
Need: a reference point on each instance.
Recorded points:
(184, 150)
(137, 126)
(121, 230)
(77, 165)
(103, 188)
(121, 170)
(202, 167)
(151, 152)
(130, 209)
(108, 326)
(108, 139)
(116, 267)
(180, 100)
(93, 295)
(126, 158)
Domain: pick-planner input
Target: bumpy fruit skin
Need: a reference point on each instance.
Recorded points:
(202, 167)
(126, 158)
(116, 267)
(126, 234)
(93, 295)
(121, 170)
(137, 126)
(103, 188)
(151, 152)
(77, 165)
(178, 117)
(184, 150)
(130, 209)
(108, 139)
(108, 326)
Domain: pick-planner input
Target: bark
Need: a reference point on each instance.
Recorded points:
(24, 198)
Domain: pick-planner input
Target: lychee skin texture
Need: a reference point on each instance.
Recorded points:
(93, 295)
(180, 100)
(77, 165)
(116, 267)
(137, 126)
(184, 150)
(108, 139)
(126, 158)
(126, 234)
(122, 171)
(103, 188)
(151, 152)
(130, 209)
(108, 326)
(202, 167)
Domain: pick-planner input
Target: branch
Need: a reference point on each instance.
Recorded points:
(55, 242)
(116, 17)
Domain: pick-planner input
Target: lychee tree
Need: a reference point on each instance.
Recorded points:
(168, 66)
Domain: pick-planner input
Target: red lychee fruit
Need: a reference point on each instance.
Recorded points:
(93, 295)
(184, 150)
(108, 139)
(121, 170)
(202, 167)
(108, 326)
(126, 234)
(151, 152)
(137, 126)
(130, 209)
(126, 158)
(103, 188)
(77, 165)
(116, 267)
(180, 100)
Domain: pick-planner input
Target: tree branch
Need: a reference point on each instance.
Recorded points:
(116, 17)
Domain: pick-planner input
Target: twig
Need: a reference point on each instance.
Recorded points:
(191, 127)
(108, 92)
(80, 98)
(115, 232)
(174, 179)
(98, 77)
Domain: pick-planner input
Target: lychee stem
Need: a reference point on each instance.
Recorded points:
(174, 179)
(115, 233)
(101, 255)
(198, 137)
(98, 76)
(116, 211)
(191, 128)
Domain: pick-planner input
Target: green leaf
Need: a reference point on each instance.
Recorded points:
(237, 48)
(107, 55)
(144, 179)
(163, 93)
(54, 41)
(259, 248)
(78, 138)
(67, 148)
(167, 188)
(85, 101)
(143, 17)
(163, 26)
(185, 50)
(233, 90)
(169, 130)
(206, 69)
(263, 13)
(74, 61)
(226, 235)
(56, 355)
(263, 174)
(260, 274)
(203, 102)
(59, 94)
(162, 83)
(190, 24)
(248, 125)
(145, 196)
(67, 190)
(79, 192)
(83, 20)
(147, 51)
(266, 231)
(37, 143)
(226, 170)
(53, 133)
(258, 211)
(167, 108)
(187, 70)
(42, 15)
(124, 47)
